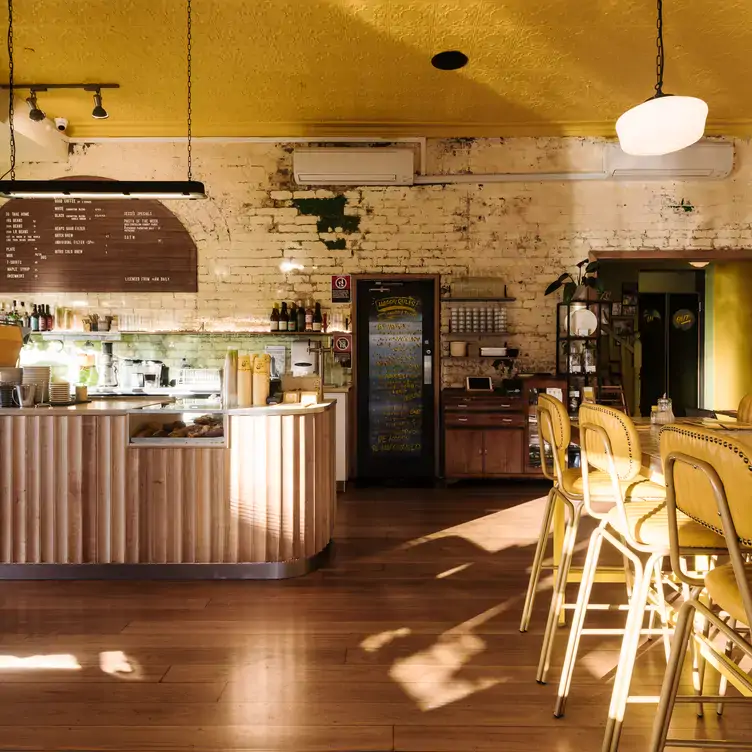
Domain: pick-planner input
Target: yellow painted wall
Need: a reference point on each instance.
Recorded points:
(732, 327)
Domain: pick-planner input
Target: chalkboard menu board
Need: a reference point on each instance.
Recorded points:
(105, 245)
(395, 332)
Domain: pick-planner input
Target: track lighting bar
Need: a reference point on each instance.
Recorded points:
(45, 87)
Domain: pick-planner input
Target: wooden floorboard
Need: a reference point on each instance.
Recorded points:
(407, 641)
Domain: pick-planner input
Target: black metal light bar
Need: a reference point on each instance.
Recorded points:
(102, 189)
(46, 87)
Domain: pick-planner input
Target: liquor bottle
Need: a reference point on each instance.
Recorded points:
(34, 319)
(24, 315)
(301, 317)
(13, 315)
(50, 320)
(292, 324)
(283, 318)
(274, 319)
(318, 319)
(309, 315)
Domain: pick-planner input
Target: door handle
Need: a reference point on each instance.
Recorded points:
(427, 369)
(506, 420)
(462, 420)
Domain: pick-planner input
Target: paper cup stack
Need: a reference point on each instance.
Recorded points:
(39, 375)
(60, 393)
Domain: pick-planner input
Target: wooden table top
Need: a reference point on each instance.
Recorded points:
(649, 434)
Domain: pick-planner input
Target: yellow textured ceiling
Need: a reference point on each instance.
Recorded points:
(317, 67)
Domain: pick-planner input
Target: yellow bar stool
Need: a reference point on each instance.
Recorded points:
(709, 479)
(744, 413)
(639, 530)
(578, 496)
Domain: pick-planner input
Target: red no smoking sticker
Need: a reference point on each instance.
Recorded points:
(341, 288)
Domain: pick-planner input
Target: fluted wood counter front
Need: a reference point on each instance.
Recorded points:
(76, 500)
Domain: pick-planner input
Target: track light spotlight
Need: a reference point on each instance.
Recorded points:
(35, 113)
(99, 112)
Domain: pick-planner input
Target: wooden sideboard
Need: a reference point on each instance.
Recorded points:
(492, 434)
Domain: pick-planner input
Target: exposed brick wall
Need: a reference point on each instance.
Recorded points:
(524, 233)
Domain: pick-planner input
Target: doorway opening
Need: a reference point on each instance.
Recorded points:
(658, 323)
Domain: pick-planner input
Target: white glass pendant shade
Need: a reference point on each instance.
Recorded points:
(662, 125)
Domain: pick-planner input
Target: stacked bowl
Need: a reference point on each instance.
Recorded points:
(39, 375)
(60, 393)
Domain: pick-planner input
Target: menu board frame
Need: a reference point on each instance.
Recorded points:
(94, 246)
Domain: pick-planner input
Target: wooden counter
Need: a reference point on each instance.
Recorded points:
(76, 500)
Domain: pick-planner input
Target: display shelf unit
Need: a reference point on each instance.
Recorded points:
(454, 336)
(115, 336)
(582, 359)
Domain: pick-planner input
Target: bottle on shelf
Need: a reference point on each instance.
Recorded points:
(292, 324)
(3, 315)
(50, 319)
(301, 317)
(308, 316)
(34, 319)
(284, 318)
(42, 318)
(274, 319)
(24, 315)
(318, 319)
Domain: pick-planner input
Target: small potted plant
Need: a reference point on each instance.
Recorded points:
(586, 287)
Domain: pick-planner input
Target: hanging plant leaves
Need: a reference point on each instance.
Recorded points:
(569, 290)
(553, 287)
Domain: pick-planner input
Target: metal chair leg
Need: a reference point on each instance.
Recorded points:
(628, 653)
(578, 619)
(540, 553)
(662, 608)
(722, 686)
(672, 678)
(560, 588)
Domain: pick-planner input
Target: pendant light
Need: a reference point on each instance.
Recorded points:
(98, 189)
(664, 123)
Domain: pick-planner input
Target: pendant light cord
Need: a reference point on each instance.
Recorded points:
(190, 105)
(10, 94)
(660, 55)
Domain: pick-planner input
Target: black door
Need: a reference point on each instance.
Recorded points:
(670, 326)
(396, 373)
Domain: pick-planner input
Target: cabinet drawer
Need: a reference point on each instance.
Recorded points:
(454, 402)
(483, 419)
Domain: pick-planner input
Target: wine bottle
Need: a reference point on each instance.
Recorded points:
(34, 320)
(309, 315)
(292, 324)
(284, 318)
(318, 319)
(301, 317)
(274, 319)
(50, 320)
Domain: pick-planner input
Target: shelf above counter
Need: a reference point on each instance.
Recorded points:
(478, 300)
(473, 335)
(116, 336)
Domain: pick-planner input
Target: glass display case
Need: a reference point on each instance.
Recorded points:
(178, 425)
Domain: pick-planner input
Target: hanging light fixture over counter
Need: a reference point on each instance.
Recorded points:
(92, 189)
(664, 123)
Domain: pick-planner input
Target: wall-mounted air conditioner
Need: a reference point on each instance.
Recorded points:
(374, 166)
(708, 159)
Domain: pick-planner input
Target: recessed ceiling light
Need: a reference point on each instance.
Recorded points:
(449, 60)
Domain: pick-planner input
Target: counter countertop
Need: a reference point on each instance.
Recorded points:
(125, 406)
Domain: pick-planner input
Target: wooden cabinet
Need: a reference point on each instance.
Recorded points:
(463, 453)
(503, 452)
(492, 435)
(480, 454)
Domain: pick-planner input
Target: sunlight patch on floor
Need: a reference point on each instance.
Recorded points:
(64, 661)
(453, 570)
(429, 676)
(377, 641)
(115, 662)
(516, 526)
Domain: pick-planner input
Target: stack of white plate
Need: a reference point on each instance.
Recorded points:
(60, 393)
(39, 375)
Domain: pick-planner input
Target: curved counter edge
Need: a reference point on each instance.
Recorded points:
(273, 570)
